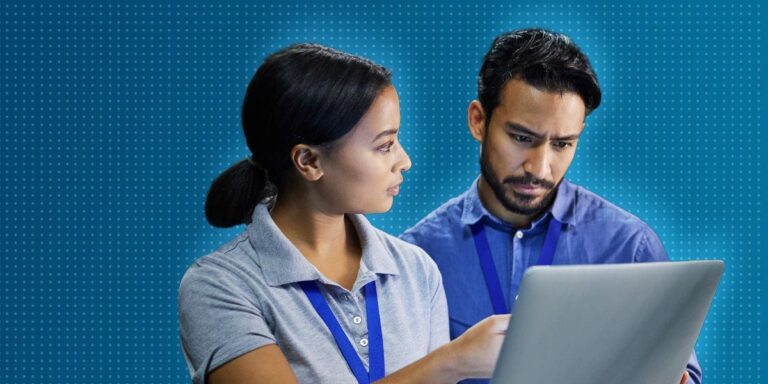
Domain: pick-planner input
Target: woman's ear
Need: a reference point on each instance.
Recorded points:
(476, 120)
(306, 160)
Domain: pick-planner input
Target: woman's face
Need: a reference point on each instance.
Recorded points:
(363, 171)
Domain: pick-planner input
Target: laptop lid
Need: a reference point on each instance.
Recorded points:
(610, 323)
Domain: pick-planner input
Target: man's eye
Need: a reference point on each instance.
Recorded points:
(562, 144)
(522, 138)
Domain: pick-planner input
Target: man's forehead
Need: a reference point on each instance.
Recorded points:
(540, 110)
(518, 93)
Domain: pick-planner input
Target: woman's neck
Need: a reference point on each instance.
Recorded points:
(326, 239)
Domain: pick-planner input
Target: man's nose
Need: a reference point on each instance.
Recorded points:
(537, 162)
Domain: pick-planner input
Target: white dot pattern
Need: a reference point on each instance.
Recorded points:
(116, 118)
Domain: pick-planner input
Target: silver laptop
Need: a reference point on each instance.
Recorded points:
(612, 323)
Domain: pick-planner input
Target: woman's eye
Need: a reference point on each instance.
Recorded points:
(387, 147)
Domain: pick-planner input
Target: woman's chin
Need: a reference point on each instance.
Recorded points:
(384, 206)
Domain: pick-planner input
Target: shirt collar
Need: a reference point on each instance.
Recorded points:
(562, 209)
(282, 262)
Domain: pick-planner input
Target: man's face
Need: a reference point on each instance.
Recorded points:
(528, 144)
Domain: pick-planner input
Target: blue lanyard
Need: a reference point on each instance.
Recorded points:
(489, 269)
(375, 339)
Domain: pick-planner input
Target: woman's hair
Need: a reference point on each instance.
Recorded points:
(303, 94)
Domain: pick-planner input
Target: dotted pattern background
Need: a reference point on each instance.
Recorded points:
(116, 118)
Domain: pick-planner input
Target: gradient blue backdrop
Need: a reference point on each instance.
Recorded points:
(116, 118)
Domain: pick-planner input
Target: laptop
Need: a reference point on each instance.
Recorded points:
(611, 323)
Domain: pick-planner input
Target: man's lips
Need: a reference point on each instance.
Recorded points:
(526, 189)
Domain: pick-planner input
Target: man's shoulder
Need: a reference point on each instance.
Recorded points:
(437, 222)
(611, 230)
(591, 208)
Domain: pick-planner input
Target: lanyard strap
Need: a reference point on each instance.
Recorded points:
(489, 269)
(375, 339)
(550, 242)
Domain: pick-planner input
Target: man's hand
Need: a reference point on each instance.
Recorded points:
(685, 378)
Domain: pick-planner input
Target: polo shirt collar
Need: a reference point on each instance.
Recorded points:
(282, 263)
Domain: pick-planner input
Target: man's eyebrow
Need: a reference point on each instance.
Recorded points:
(567, 138)
(527, 131)
(524, 130)
(392, 131)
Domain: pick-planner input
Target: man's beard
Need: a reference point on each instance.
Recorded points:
(520, 204)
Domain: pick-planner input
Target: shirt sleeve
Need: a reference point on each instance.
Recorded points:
(649, 248)
(439, 309)
(694, 370)
(408, 236)
(220, 319)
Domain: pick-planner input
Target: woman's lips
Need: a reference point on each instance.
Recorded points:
(394, 190)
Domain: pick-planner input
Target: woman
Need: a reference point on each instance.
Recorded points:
(311, 292)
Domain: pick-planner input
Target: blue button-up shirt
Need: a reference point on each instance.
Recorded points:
(594, 232)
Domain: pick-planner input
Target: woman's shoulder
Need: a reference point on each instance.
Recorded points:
(407, 256)
(232, 266)
(400, 246)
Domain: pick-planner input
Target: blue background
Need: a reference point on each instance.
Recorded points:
(116, 118)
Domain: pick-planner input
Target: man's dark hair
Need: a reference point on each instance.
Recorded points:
(545, 60)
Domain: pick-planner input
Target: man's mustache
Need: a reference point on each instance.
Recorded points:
(529, 179)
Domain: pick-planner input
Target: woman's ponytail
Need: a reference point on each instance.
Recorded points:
(236, 192)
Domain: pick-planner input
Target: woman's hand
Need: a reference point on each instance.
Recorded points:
(475, 352)
(472, 355)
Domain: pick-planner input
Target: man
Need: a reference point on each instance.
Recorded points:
(535, 89)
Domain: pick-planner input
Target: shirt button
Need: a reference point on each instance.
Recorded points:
(519, 234)
(357, 320)
(364, 342)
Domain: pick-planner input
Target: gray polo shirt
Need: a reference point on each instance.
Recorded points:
(246, 295)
